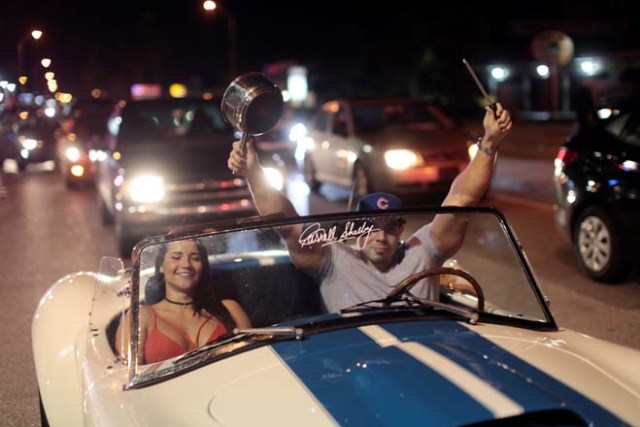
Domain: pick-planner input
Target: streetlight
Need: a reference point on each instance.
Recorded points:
(36, 35)
(210, 6)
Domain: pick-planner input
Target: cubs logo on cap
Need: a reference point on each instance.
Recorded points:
(379, 201)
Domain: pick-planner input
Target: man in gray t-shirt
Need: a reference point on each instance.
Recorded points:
(349, 276)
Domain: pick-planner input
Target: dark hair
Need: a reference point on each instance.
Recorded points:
(205, 300)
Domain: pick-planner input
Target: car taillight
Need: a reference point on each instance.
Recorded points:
(626, 165)
(564, 157)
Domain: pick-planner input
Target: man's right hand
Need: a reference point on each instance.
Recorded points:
(239, 162)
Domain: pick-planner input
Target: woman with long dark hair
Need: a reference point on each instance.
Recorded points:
(190, 314)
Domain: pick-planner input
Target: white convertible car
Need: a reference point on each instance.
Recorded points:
(483, 350)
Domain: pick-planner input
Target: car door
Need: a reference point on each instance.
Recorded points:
(334, 150)
(107, 168)
(343, 146)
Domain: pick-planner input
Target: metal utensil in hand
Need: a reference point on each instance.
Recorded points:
(481, 87)
(252, 104)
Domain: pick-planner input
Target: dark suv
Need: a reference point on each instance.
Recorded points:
(166, 167)
(597, 180)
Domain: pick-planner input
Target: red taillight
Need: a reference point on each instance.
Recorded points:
(566, 156)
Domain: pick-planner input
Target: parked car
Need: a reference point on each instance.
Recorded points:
(400, 146)
(487, 352)
(597, 184)
(166, 166)
(80, 144)
(30, 138)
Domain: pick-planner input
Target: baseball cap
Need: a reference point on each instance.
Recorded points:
(378, 202)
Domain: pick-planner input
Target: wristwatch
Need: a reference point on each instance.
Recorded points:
(488, 150)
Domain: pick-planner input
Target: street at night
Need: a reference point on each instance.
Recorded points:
(111, 117)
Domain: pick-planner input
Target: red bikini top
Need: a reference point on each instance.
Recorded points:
(159, 347)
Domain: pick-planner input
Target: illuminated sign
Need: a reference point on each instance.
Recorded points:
(146, 91)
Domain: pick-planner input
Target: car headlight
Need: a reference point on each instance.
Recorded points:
(97, 155)
(146, 189)
(402, 159)
(274, 177)
(28, 143)
(297, 131)
(72, 154)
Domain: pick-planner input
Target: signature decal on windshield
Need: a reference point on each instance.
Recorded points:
(314, 233)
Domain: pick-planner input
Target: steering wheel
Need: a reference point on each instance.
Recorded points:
(404, 286)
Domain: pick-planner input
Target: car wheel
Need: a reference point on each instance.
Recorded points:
(125, 244)
(361, 182)
(105, 216)
(598, 246)
(71, 184)
(22, 165)
(310, 175)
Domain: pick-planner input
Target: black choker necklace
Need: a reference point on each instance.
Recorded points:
(184, 304)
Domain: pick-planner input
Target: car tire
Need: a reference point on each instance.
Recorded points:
(105, 215)
(599, 247)
(361, 182)
(71, 184)
(310, 175)
(22, 165)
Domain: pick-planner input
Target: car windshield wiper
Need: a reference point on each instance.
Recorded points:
(411, 301)
(240, 334)
(287, 331)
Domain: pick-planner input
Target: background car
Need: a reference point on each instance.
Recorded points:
(597, 185)
(30, 138)
(166, 166)
(488, 352)
(281, 142)
(401, 146)
(79, 142)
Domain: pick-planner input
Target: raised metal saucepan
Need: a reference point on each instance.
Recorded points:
(252, 104)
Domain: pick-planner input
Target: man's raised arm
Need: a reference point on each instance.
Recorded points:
(269, 200)
(447, 231)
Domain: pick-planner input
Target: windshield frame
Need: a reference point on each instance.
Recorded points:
(142, 375)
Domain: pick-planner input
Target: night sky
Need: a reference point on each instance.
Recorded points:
(99, 43)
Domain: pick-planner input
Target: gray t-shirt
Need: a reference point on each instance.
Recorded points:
(345, 279)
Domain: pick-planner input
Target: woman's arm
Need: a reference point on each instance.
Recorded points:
(239, 316)
(123, 336)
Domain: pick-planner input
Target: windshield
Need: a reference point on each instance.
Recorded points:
(263, 273)
(374, 117)
(162, 121)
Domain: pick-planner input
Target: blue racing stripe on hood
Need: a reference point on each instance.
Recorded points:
(525, 384)
(361, 383)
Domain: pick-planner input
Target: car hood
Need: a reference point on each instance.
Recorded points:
(450, 139)
(178, 159)
(442, 373)
(600, 139)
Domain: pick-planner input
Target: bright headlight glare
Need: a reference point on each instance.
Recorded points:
(297, 131)
(72, 154)
(274, 177)
(29, 143)
(97, 155)
(146, 189)
(401, 159)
